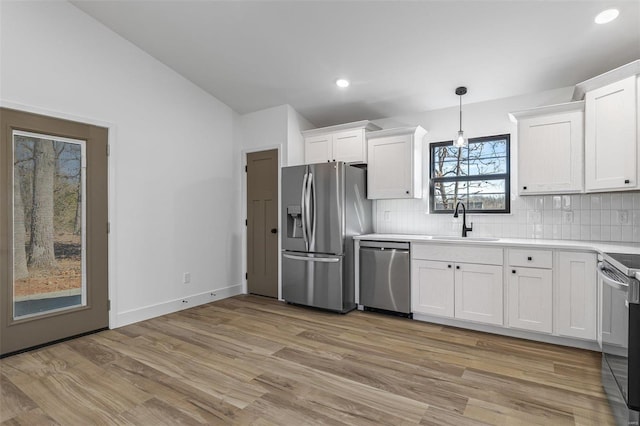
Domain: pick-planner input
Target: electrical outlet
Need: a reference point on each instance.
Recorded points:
(567, 217)
(186, 278)
(534, 217)
(623, 217)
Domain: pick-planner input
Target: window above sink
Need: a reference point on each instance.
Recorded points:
(478, 175)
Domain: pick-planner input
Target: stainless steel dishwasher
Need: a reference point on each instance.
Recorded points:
(385, 277)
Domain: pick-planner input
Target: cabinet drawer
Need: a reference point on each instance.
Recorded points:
(531, 258)
(457, 253)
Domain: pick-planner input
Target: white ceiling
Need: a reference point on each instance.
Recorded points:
(402, 57)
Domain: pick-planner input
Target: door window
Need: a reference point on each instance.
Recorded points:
(49, 192)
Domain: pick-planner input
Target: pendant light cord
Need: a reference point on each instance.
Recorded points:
(460, 96)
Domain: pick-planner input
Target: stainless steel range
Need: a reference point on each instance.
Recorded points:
(619, 334)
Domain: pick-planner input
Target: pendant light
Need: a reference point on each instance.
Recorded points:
(460, 141)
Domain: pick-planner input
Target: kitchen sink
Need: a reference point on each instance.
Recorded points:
(453, 238)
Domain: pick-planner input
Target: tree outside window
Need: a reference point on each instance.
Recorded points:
(478, 175)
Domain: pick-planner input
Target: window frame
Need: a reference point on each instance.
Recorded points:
(506, 176)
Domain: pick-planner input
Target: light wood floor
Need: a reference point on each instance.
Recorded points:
(251, 360)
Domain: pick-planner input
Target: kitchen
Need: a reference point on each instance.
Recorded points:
(185, 249)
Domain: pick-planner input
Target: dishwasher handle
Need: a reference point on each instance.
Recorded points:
(384, 245)
(403, 251)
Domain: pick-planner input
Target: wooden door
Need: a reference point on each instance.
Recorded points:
(53, 224)
(262, 223)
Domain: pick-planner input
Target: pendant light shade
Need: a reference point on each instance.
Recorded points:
(460, 140)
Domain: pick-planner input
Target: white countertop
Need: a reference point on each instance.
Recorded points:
(597, 246)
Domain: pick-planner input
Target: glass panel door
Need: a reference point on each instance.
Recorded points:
(49, 192)
(54, 246)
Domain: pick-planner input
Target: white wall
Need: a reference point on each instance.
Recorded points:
(295, 125)
(576, 217)
(276, 127)
(175, 174)
(265, 129)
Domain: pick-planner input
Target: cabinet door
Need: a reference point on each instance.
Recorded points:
(432, 288)
(611, 152)
(531, 299)
(318, 149)
(349, 147)
(390, 169)
(478, 293)
(576, 291)
(550, 154)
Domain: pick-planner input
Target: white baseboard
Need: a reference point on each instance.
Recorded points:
(171, 306)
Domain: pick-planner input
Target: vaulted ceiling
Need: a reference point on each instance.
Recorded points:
(401, 57)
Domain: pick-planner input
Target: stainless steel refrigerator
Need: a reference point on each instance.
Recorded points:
(323, 207)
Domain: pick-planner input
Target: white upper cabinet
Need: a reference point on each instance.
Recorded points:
(318, 149)
(395, 163)
(550, 149)
(611, 137)
(344, 142)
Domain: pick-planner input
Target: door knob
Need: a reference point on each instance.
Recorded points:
(274, 231)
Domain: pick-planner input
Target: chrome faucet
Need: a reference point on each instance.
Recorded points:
(465, 229)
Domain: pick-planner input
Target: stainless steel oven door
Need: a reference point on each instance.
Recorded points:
(614, 333)
(615, 310)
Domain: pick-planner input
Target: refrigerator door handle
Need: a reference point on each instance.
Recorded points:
(312, 187)
(313, 259)
(303, 210)
(307, 211)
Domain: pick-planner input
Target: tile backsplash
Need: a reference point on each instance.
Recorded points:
(597, 217)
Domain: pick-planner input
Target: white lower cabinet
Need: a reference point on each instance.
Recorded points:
(455, 289)
(433, 290)
(545, 290)
(531, 299)
(478, 293)
(576, 295)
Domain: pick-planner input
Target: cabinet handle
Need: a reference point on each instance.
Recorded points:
(529, 258)
(513, 271)
(627, 181)
(448, 266)
(407, 192)
(457, 267)
(524, 187)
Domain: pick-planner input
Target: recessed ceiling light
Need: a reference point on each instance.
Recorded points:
(341, 82)
(606, 16)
